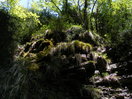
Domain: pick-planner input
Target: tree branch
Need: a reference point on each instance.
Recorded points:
(56, 6)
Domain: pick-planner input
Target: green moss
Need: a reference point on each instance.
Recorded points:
(48, 41)
(37, 36)
(43, 53)
(91, 61)
(95, 92)
(27, 46)
(33, 67)
(105, 74)
(46, 51)
(71, 47)
(104, 55)
(82, 45)
(76, 26)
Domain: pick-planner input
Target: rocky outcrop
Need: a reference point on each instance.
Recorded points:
(73, 59)
(57, 69)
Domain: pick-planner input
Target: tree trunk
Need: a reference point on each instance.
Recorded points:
(85, 15)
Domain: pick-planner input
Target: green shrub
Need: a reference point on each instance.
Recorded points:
(58, 24)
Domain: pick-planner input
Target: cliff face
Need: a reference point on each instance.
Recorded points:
(69, 55)
(57, 69)
(51, 68)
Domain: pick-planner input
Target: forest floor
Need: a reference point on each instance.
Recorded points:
(114, 87)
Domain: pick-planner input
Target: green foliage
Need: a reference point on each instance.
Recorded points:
(75, 26)
(58, 25)
(113, 17)
(24, 14)
(53, 5)
(105, 74)
(25, 22)
(123, 46)
(74, 30)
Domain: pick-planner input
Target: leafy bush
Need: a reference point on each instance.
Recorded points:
(58, 24)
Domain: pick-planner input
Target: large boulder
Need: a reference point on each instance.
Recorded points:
(68, 59)
(100, 62)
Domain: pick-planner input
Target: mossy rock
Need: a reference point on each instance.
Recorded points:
(35, 47)
(33, 67)
(67, 48)
(56, 37)
(89, 90)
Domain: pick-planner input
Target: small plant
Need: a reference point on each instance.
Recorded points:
(105, 74)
